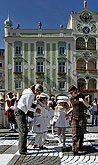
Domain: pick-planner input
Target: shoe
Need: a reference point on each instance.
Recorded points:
(42, 148)
(63, 148)
(10, 130)
(35, 147)
(15, 131)
(75, 153)
(24, 153)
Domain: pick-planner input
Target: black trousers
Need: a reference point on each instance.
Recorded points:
(21, 119)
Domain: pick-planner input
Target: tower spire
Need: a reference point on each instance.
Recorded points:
(85, 3)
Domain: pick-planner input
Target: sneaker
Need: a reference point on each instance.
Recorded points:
(75, 153)
(10, 130)
(24, 153)
(42, 148)
(63, 148)
(35, 147)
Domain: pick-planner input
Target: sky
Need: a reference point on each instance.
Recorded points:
(51, 13)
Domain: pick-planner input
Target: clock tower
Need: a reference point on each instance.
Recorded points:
(85, 59)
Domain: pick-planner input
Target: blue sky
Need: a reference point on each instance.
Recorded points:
(51, 13)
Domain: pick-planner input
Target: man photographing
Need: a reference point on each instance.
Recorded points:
(78, 118)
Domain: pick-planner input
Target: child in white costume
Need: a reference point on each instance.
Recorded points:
(60, 121)
(51, 115)
(40, 123)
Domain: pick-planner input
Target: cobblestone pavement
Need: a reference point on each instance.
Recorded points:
(53, 155)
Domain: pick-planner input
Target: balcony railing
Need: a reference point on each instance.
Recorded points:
(61, 73)
(17, 72)
(40, 73)
(83, 69)
(89, 90)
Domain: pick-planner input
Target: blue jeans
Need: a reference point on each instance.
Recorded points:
(94, 117)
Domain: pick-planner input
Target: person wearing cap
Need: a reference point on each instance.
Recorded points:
(51, 115)
(10, 106)
(78, 118)
(25, 107)
(40, 122)
(60, 121)
(53, 102)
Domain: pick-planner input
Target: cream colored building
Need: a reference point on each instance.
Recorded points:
(56, 58)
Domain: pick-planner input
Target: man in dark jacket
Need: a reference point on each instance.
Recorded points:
(78, 118)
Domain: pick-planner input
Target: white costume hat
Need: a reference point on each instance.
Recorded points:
(50, 102)
(61, 101)
(42, 95)
(62, 98)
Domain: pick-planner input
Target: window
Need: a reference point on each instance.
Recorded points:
(91, 44)
(80, 44)
(39, 66)
(0, 64)
(1, 53)
(18, 50)
(61, 67)
(61, 85)
(17, 84)
(1, 75)
(40, 50)
(61, 50)
(17, 66)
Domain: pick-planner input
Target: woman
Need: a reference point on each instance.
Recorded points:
(60, 120)
(94, 112)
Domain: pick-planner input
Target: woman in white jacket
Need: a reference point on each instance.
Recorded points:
(60, 121)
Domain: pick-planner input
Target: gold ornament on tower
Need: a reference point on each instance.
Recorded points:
(61, 26)
(85, 3)
(18, 26)
(39, 25)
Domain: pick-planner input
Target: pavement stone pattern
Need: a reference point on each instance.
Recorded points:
(53, 155)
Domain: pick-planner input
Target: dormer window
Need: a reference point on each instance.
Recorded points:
(18, 50)
(61, 50)
(40, 50)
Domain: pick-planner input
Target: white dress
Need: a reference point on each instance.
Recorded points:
(50, 116)
(59, 117)
(40, 118)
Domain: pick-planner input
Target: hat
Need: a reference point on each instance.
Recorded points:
(44, 95)
(52, 97)
(39, 87)
(62, 98)
(50, 102)
(61, 101)
(9, 93)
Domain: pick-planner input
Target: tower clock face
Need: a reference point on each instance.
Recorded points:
(86, 30)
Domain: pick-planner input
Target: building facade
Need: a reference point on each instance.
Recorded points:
(55, 58)
(2, 69)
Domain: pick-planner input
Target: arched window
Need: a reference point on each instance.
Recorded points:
(80, 43)
(92, 83)
(81, 83)
(91, 44)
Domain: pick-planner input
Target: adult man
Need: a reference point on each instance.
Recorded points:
(78, 118)
(24, 108)
(10, 106)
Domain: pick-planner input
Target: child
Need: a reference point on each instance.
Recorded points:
(60, 121)
(51, 115)
(40, 122)
(10, 107)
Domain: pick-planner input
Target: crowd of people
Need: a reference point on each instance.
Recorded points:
(42, 111)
